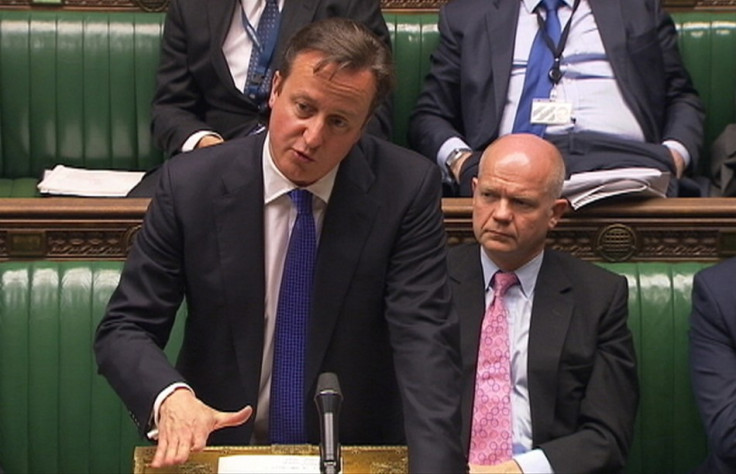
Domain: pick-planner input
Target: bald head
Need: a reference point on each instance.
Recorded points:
(516, 198)
(537, 157)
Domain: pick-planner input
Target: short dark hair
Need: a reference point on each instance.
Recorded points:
(347, 44)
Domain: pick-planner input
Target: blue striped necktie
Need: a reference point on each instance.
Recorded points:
(287, 403)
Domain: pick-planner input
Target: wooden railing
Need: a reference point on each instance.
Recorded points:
(700, 229)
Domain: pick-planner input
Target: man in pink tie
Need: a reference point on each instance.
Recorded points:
(550, 382)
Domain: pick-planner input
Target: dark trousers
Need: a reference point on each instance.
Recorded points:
(590, 151)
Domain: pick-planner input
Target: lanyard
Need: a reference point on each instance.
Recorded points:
(264, 50)
(554, 73)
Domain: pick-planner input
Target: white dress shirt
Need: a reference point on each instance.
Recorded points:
(518, 300)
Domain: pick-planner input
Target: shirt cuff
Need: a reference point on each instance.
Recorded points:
(680, 148)
(153, 433)
(195, 137)
(534, 461)
(444, 153)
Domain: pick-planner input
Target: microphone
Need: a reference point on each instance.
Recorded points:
(328, 398)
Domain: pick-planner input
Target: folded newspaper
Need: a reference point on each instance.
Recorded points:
(67, 181)
(584, 188)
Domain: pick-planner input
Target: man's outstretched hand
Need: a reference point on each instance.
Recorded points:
(184, 425)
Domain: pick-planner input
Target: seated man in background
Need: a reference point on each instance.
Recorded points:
(313, 247)
(713, 362)
(602, 80)
(549, 369)
(217, 61)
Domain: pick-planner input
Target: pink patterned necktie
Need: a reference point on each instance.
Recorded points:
(490, 438)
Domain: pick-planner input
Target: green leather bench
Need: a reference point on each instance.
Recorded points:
(76, 86)
(58, 415)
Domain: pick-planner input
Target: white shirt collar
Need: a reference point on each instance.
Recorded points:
(532, 4)
(275, 184)
(527, 274)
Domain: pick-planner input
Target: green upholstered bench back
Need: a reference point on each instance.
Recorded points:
(76, 86)
(76, 89)
(669, 435)
(58, 415)
(707, 43)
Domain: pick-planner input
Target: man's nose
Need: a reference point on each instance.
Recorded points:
(314, 132)
(502, 210)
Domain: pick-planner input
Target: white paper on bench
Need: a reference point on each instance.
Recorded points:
(65, 180)
(583, 188)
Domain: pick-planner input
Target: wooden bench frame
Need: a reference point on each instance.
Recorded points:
(682, 229)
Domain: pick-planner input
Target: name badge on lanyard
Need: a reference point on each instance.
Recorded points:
(552, 111)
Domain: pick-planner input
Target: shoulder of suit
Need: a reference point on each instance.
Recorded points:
(724, 270)
(574, 266)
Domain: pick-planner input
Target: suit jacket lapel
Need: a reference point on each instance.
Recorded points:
(551, 313)
(468, 293)
(348, 221)
(239, 229)
(501, 20)
(219, 16)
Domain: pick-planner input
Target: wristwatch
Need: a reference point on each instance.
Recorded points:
(456, 154)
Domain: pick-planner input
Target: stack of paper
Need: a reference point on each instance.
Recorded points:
(63, 180)
(584, 188)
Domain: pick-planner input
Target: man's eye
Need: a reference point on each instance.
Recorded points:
(303, 108)
(338, 122)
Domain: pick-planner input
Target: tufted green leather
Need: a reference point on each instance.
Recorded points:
(707, 43)
(76, 89)
(58, 415)
(669, 436)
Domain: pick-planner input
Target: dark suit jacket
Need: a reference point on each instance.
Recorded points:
(194, 89)
(382, 316)
(713, 361)
(583, 386)
(464, 96)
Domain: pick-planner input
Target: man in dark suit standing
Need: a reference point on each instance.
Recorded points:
(565, 354)
(617, 94)
(369, 300)
(211, 50)
(713, 362)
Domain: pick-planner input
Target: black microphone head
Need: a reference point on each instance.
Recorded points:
(327, 384)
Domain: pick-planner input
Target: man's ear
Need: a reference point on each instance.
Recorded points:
(559, 207)
(276, 83)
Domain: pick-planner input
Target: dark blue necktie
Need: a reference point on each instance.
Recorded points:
(286, 416)
(537, 83)
(258, 82)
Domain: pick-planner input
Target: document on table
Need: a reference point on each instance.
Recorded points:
(68, 181)
(268, 463)
(584, 188)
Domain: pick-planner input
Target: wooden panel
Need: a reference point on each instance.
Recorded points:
(701, 229)
(682, 229)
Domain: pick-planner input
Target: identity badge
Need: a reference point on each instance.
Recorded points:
(551, 112)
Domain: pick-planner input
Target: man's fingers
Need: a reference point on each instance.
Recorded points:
(170, 453)
(224, 419)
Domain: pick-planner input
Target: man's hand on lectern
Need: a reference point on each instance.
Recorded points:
(184, 425)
